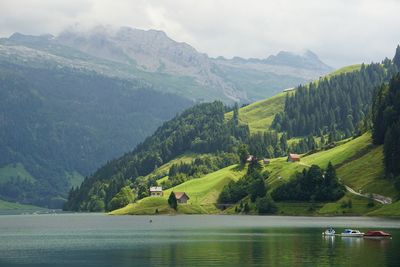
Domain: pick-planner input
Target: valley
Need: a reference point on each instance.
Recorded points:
(358, 163)
(204, 141)
(83, 98)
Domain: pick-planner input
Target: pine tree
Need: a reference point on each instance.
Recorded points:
(283, 143)
(257, 189)
(246, 208)
(236, 114)
(243, 154)
(323, 140)
(396, 59)
(349, 124)
(330, 175)
(391, 150)
(172, 202)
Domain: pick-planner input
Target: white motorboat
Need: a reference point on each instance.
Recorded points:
(329, 232)
(352, 233)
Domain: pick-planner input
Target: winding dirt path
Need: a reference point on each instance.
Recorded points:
(379, 198)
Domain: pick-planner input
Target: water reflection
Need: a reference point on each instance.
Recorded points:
(131, 241)
(330, 240)
(352, 241)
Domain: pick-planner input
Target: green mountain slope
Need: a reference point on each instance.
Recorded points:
(259, 115)
(203, 194)
(196, 135)
(16, 208)
(349, 157)
(60, 124)
(201, 129)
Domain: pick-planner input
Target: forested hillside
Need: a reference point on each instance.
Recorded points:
(74, 101)
(386, 124)
(336, 104)
(59, 124)
(201, 129)
(206, 128)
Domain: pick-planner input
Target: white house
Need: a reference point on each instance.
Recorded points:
(156, 191)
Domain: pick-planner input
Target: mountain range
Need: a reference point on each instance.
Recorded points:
(70, 103)
(166, 64)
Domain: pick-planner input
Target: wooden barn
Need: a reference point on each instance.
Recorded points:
(181, 197)
(293, 157)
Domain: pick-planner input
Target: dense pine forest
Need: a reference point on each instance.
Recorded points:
(63, 122)
(336, 105)
(314, 184)
(386, 122)
(200, 129)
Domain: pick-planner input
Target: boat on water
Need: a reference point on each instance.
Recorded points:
(329, 232)
(377, 234)
(352, 233)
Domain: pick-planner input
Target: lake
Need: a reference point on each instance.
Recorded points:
(198, 240)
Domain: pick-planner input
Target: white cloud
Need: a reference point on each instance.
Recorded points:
(340, 32)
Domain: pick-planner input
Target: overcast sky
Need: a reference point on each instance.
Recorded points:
(340, 32)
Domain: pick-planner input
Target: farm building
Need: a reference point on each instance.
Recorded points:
(156, 191)
(293, 157)
(181, 197)
(266, 161)
(250, 158)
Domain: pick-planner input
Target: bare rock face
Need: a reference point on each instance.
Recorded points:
(152, 52)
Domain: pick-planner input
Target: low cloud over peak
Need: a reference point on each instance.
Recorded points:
(340, 32)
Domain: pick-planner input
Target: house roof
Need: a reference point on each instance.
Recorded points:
(249, 157)
(156, 189)
(179, 195)
(294, 156)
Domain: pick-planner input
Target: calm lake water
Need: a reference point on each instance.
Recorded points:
(101, 240)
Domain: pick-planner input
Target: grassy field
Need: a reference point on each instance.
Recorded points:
(161, 172)
(145, 206)
(281, 170)
(340, 153)
(14, 170)
(298, 208)
(359, 206)
(387, 210)
(206, 190)
(366, 174)
(9, 206)
(74, 178)
(359, 165)
(260, 115)
(346, 69)
(203, 193)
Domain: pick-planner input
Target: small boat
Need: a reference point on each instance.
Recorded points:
(377, 234)
(352, 233)
(329, 232)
